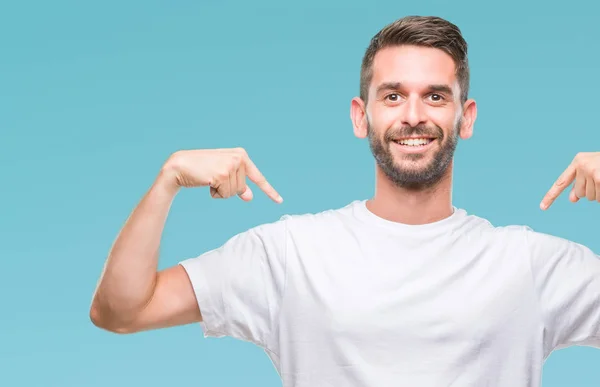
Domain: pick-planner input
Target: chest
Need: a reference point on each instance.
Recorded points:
(387, 295)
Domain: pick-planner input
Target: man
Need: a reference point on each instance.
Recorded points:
(403, 289)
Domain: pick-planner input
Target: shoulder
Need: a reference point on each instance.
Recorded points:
(525, 239)
(304, 222)
(482, 231)
(314, 218)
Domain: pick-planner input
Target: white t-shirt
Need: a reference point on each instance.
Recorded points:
(344, 298)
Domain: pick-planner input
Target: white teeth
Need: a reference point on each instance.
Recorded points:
(414, 141)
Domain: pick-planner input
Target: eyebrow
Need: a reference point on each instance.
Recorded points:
(440, 88)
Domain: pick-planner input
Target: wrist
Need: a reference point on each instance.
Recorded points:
(166, 181)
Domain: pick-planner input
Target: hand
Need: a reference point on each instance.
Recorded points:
(224, 170)
(585, 170)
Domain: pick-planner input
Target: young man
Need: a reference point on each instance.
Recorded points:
(403, 289)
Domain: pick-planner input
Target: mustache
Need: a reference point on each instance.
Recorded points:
(410, 131)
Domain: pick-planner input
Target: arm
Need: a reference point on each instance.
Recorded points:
(566, 278)
(131, 295)
(567, 274)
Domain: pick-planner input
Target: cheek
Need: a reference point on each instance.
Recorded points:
(383, 118)
(445, 119)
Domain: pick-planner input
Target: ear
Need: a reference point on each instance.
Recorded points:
(468, 119)
(358, 115)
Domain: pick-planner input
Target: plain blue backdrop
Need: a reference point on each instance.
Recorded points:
(94, 96)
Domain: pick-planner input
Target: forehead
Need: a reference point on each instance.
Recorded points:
(413, 66)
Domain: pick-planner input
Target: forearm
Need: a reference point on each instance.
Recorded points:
(127, 282)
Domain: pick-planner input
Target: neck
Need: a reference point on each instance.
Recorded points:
(401, 205)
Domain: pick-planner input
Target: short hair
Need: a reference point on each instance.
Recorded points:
(424, 31)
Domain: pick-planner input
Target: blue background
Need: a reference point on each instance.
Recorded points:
(94, 96)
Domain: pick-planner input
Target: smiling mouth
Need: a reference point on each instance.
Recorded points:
(414, 141)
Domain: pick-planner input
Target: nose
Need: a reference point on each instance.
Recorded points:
(413, 112)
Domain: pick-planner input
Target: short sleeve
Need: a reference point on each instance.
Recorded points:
(239, 285)
(567, 281)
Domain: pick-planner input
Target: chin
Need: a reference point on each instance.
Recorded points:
(414, 175)
(412, 162)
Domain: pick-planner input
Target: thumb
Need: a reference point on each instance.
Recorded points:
(246, 195)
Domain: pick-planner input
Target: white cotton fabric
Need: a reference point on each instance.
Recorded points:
(344, 298)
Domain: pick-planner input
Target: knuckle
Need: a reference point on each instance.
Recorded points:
(236, 158)
(581, 157)
(232, 165)
(241, 151)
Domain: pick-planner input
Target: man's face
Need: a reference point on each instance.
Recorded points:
(413, 114)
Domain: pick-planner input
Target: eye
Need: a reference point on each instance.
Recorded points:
(394, 97)
(436, 98)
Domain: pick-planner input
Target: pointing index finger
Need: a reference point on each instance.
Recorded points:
(257, 177)
(564, 180)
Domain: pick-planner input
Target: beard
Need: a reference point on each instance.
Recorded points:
(405, 175)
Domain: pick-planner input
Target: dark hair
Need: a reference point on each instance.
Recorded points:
(425, 31)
